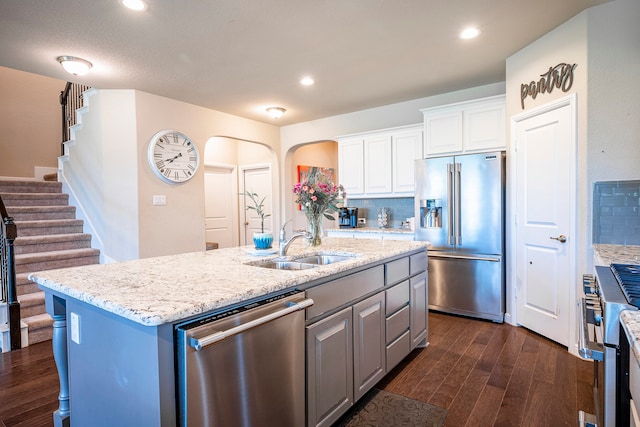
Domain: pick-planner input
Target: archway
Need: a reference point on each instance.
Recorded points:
(227, 163)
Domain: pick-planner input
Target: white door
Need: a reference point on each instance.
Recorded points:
(545, 219)
(255, 179)
(221, 205)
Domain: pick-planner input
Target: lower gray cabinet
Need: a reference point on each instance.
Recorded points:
(368, 344)
(419, 293)
(329, 368)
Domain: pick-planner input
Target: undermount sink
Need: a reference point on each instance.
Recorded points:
(323, 259)
(285, 265)
(302, 263)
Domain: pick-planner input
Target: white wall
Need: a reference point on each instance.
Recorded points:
(30, 122)
(179, 226)
(605, 43)
(565, 44)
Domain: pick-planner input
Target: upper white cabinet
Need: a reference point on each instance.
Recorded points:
(351, 165)
(380, 163)
(377, 164)
(465, 127)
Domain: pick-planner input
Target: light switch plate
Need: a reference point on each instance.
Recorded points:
(75, 327)
(159, 200)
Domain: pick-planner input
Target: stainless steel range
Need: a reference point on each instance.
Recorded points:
(612, 290)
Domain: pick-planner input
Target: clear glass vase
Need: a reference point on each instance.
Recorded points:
(315, 228)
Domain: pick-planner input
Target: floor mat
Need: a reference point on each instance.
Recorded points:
(379, 408)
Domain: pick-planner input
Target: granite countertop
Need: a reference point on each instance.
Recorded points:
(155, 291)
(373, 230)
(620, 254)
(630, 319)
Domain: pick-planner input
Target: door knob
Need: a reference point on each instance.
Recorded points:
(561, 238)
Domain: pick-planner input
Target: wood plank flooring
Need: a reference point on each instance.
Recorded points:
(485, 374)
(488, 374)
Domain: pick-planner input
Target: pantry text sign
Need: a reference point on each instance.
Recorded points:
(560, 76)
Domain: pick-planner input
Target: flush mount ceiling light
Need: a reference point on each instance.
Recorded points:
(137, 5)
(469, 33)
(75, 66)
(307, 81)
(276, 112)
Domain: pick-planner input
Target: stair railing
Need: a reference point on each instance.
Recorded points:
(71, 99)
(8, 234)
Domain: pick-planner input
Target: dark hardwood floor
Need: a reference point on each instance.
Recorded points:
(488, 374)
(484, 373)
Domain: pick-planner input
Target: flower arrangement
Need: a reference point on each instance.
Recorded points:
(318, 196)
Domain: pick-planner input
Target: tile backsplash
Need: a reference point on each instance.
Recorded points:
(616, 212)
(401, 209)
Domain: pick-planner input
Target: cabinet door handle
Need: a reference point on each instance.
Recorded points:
(561, 238)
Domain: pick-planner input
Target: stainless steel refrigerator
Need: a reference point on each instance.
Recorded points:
(459, 208)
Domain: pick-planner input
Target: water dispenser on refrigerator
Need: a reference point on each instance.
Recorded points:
(431, 213)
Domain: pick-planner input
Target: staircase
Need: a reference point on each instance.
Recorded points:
(49, 237)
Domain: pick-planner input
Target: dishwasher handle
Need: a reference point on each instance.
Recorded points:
(199, 344)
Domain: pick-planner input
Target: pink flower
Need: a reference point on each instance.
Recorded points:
(311, 190)
(314, 198)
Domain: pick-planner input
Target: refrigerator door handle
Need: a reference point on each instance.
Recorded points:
(457, 206)
(450, 225)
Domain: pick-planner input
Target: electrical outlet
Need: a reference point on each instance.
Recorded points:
(75, 328)
(159, 200)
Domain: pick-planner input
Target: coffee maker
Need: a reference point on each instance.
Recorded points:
(348, 217)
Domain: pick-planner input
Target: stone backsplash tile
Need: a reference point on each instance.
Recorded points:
(616, 212)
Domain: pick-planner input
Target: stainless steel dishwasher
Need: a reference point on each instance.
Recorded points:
(245, 366)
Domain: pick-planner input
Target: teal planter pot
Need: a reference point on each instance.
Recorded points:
(262, 240)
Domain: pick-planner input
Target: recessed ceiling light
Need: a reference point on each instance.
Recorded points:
(137, 5)
(469, 33)
(307, 81)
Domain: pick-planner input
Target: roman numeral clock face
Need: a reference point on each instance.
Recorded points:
(173, 157)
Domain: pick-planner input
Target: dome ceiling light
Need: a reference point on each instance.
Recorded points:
(276, 112)
(75, 66)
(469, 33)
(137, 5)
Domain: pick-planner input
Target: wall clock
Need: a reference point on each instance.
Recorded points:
(173, 157)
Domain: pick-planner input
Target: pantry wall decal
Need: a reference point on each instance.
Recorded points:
(560, 76)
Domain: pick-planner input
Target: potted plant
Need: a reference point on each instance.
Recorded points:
(261, 240)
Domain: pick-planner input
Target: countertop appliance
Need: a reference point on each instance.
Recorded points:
(612, 290)
(244, 366)
(348, 217)
(459, 208)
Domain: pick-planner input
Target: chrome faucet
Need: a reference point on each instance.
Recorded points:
(284, 243)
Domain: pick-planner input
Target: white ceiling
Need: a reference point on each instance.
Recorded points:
(240, 56)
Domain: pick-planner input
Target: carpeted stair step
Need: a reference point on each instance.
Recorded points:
(24, 285)
(31, 304)
(53, 242)
(56, 259)
(41, 213)
(34, 199)
(54, 226)
(29, 186)
(40, 327)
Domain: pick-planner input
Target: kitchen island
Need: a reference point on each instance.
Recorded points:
(114, 323)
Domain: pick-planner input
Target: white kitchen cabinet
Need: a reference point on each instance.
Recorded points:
(351, 165)
(406, 149)
(466, 127)
(377, 164)
(380, 163)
